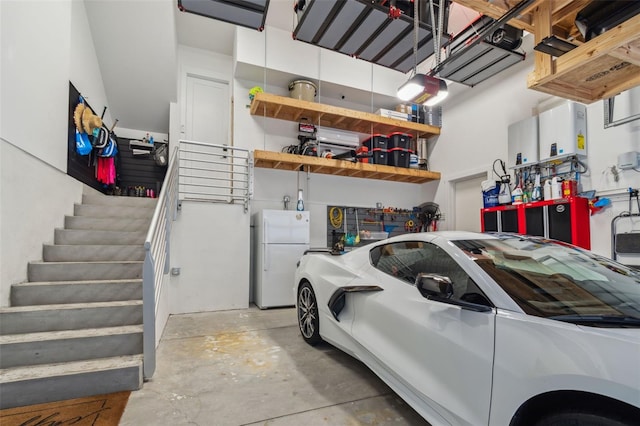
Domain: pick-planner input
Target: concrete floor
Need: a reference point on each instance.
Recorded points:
(251, 367)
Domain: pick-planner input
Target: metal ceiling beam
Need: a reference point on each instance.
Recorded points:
(246, 13)
(361, 18)
(395, 41)
(325, 25)
(363, 29)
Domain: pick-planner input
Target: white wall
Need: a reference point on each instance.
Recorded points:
(285, 61)
(210, 244)
(474, 134)
(320, 191)
(604, 145)
(36, 47)
(474, 131)
(84, 70)
(137, 52)
(34, 199)
(199, 229)
(45, 44)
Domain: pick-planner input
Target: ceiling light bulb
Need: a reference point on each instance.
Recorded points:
(411, 88)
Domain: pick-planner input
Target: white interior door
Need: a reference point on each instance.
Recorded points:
(467, 203)
(207, 172)
(207, 110)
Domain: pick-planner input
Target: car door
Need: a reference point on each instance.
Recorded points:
(442, 352)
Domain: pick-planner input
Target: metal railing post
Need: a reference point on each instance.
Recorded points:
(148, 314)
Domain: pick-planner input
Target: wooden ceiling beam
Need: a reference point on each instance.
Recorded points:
(523, 21)
(569, 8)
(563, 13)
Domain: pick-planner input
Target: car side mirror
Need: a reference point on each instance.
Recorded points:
(433, 286)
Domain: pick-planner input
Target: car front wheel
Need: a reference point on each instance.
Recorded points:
(308, 320)
(575, 418)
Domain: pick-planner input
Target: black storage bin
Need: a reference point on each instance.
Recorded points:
(377, 145)
(399, 140)
(376, 141)
(399, 157)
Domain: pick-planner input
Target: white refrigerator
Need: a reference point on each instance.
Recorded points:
(282, 236)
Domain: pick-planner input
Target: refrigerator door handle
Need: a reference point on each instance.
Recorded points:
(265, 257)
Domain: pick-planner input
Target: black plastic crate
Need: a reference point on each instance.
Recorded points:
(377, 146)
(399, 140)
(399, 157)
(379, 156)
(376, 141)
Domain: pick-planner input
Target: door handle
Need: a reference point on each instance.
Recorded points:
(265, 257)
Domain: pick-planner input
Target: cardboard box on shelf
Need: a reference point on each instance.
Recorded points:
(405, 109)
(392, 114)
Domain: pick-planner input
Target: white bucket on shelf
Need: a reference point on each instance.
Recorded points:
(303, 89)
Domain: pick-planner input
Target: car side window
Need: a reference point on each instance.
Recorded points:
(406, 260)
(437, 261)
(398, 259)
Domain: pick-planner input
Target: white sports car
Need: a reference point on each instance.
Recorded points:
(483, 329)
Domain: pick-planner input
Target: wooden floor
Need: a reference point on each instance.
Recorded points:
(101, 410)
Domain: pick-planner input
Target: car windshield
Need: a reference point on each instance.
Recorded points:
(555, 280)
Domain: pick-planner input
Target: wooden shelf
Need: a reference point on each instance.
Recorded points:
(293, 162)
(598, 69)
(285, 108)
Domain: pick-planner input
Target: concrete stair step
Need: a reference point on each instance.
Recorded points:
(92, 253)
(82, 271)
(127, 212)
(74, 316)
(22, 386)
(106, 223)
(94, 237)
(20, 350)
(113, 200)
(64, 292)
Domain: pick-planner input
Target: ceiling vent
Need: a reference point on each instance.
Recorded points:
(246, 13)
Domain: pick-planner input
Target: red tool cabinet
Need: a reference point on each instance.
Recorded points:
(564, 219)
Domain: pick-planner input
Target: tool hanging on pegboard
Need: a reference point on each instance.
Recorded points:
(335, 217)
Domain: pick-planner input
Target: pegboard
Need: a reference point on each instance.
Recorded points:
(371, 224)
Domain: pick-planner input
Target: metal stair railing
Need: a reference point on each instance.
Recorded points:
(197, 171)
(215, 173)
(156, 261)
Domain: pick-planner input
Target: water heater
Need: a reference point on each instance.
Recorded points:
(522, 144)
(563, 131)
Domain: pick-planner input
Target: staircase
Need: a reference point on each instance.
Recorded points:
(75, 329)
